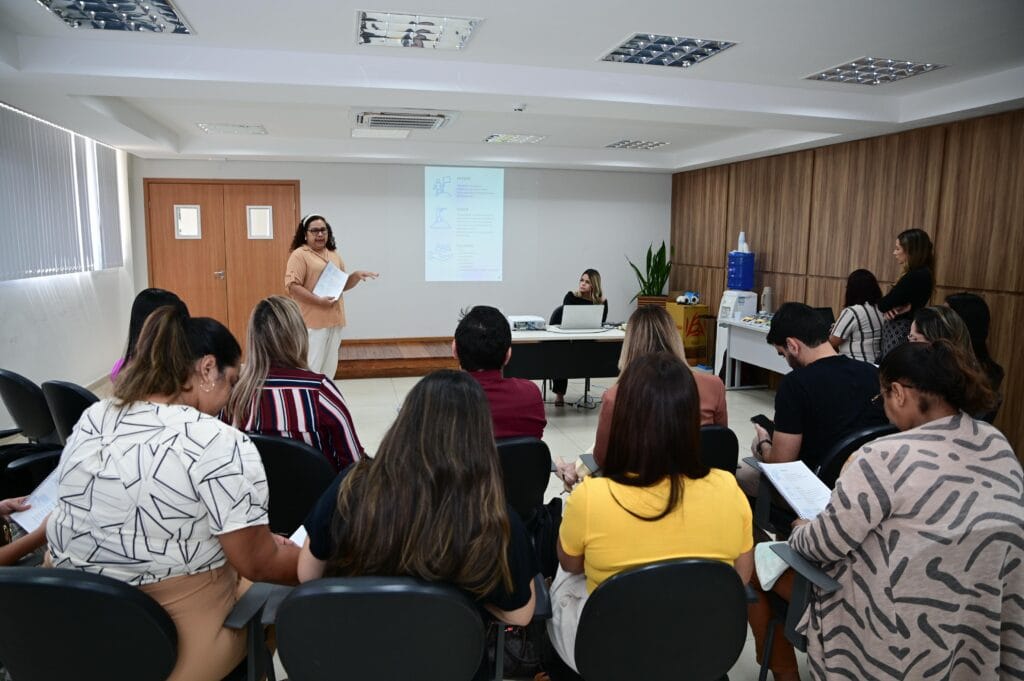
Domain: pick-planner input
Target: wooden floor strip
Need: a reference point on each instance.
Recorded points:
(394, 358)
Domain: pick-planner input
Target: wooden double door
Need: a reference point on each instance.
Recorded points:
(215, 244)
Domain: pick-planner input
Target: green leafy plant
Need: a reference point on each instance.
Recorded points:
(653, 279)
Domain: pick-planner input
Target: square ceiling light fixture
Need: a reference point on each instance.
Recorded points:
(665, 50)
(232, 129)
(157, 16)
(413, 30)
(513, 138)
(873, 71)
(641, 145)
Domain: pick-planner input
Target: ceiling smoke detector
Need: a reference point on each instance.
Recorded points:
(403, 119)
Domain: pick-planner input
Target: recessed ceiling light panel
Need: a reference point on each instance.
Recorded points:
(874, 71)
(231, 129)
(413, 30)
(635, 144)
(665, 50)
(512, 138)
(157, 16)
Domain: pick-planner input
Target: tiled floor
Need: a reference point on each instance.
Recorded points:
(570, 431)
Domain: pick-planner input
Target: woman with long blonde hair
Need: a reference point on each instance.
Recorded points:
(587, 293)
(278, 395)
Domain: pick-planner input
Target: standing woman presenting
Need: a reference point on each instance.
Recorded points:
(312, 248)
(913, 289)
(588, 293)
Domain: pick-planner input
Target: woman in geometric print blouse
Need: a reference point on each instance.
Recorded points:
(925, 534)
(154, 490)
(277, 395)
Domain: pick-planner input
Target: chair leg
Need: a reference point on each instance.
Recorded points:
(766, 654)
(499, 653)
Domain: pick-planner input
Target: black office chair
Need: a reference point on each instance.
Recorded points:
(776, 518)
(382, 628)
(556, 316)
(675, 619)
(69, 624)
(719, 447)
(526, 470)
(23, 466)
(297, 475)
(67, 402)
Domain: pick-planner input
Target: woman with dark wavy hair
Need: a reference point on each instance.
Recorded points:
(913, 289)
(857, 332)
(313, 249)
(430, 504)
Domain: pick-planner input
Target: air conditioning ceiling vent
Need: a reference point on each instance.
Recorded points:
(403, 120)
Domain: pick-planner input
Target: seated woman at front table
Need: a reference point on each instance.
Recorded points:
(277, 395)
(588, 293)
(650, 329)
(156, 491)
(858, 331)
(656, 501)
(435, 482)
(147, 301)
(925, 534)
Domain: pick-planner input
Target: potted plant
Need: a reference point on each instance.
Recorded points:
(654, 277)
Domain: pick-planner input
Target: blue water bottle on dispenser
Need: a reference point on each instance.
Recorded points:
(741, 267)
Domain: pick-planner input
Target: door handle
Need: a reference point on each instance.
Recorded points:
(219, 274)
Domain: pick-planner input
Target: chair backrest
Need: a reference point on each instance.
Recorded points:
(27, 406)
(382, 628)
(675, 619)
(67, 401)
(719, 447)
(526, 469)
(831, 464)
(67, 624)
(297, 474)
(556, 316)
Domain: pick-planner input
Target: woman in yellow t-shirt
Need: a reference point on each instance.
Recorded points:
(656, 501)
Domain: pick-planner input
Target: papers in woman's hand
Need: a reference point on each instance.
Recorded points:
(42, 500)
(803, 490)
(331, 282)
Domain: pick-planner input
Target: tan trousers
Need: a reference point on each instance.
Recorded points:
(198, 605)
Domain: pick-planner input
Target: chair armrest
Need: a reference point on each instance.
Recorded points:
(248, 606)
(805, 569)
(48, 457)
(278, 592)
(542, 602)
(751, 593)
(9, 432)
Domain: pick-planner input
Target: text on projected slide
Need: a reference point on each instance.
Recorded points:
(463, 223)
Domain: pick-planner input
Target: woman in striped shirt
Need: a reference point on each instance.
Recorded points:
(858, 331)
(278, 395)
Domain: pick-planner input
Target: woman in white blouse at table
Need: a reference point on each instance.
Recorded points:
(154, 490)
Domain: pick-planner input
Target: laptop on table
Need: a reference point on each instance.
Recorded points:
(581, 318)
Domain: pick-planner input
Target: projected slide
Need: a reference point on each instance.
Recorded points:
(463, 222)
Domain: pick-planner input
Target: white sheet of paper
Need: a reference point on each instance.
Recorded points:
(331, 282)
(43, 500)
(800, 487)
(299, 536)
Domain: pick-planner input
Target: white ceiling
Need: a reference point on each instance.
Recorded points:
(295, 68)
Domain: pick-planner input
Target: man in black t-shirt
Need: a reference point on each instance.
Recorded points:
(826, 397)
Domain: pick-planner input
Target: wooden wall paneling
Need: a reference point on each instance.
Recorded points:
(867, 192)
(826, 292)
(770, 200)
(699, 205)
(981, 214)
(786, 288)
(708, 281)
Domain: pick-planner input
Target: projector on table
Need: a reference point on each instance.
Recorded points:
(526, 322)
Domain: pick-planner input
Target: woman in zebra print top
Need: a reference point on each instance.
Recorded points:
(925, 533)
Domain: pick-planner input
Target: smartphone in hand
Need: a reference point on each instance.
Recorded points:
(765, 423)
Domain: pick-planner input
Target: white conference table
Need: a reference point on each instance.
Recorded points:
(747, 342)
